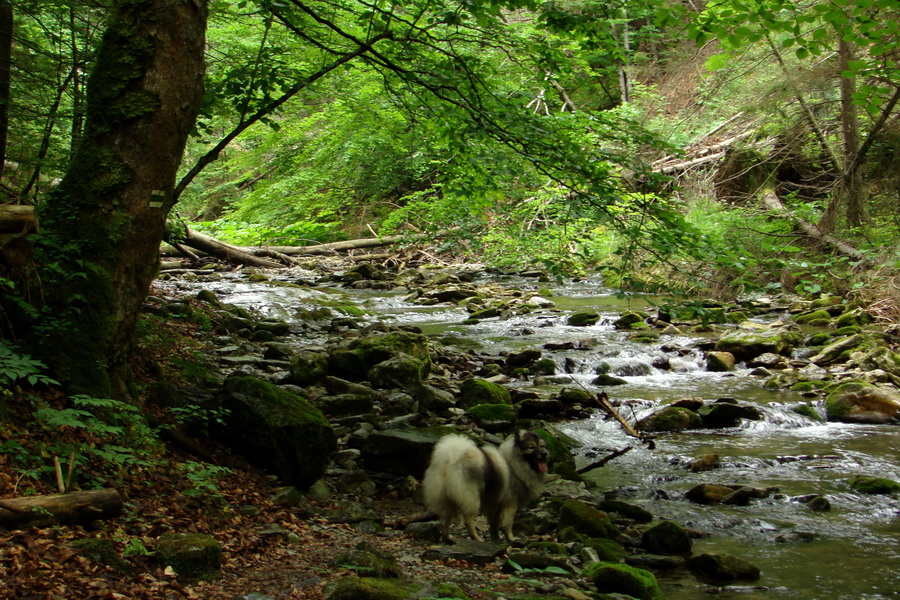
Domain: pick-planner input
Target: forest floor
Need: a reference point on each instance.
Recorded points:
(42, 563)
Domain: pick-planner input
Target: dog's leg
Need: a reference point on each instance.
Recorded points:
(505, 521)
(445, 530)
(470, 525)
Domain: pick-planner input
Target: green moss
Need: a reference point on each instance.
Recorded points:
(667, 537)
(671, 418)
(807, 386)
(101, 550)
(548, 547)
(492, 412)
(276, 403)
(377, 348)
(623, 579)
(816, 315)
(837, 407)
(583, 319)
(808, 411)
(586, 520)
(193, 556)
(607, 550)
(544, 366)
(874, 485)
(369, 588)
(366, 562)
(474, 391)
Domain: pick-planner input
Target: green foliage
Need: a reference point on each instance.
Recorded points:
(203, 480)
(16, 368)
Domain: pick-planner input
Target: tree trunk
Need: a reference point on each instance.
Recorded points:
(74, 507)
(105, 220)
(6, 31)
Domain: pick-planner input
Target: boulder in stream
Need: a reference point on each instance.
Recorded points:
(723, 567)
(747, 344)
(667, 537)
(670, 418)
(718, 362)
(614, 578)
(474, 391)
(862, 402)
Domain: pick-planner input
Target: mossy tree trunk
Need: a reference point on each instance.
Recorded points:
(98, 251)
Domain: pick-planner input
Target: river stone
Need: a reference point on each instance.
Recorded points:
(862, 402)
(308, 367)
(344, 405)
(493, 417)
(670, 418)
(478, 553)
(815, 317)
(539, 408)
(623, 579)
(434, 399)
(744, 344)
(276, 430)
(726, 414)
(367, 561)
(474, 391)
(193, 556)
(708, 493)
(583, 319)
(524, 358)
(401, 371)
(882, 358)
(666, 537)
(377, 348)
(655, 561)
(370, 588)
(718, 362)
(402, 452)
(874, 485)
(627, 510)
(723, 567)
(629, 319)
(833, 352)
(704, 463)
(586, 519)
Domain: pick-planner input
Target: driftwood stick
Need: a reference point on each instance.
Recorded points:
(603, 461)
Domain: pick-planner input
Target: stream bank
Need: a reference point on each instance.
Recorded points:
(787, 444)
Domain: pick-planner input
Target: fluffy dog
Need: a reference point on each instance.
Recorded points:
(468, 480)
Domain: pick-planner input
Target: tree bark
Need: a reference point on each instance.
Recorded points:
(6, 31)
(74, 507)
(106, 218)
(225, 251)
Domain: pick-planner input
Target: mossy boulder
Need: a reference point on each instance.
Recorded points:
(670, 418)
(720, 362)
(583, 319)
(613, 578)
(881, 357)
(721, 414)
(835, 351)
(874, 485)
(475, 391)
(747, 344)
(666, 537)
(276, 430)
(377, 348)
(586, 519)
(401, 452)
(102, 551)
(366, 561)
(543, 366)
(370, 588)
(607, 550)
(401, 371)
(862, 402)
(493, 417)
(813, 317)
(627, 510)
(308, 367)
(559, 446)
(708, 493)
(629, 320)
(193, 556)
(856, 316)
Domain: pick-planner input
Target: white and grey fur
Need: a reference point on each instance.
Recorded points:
(468, 480)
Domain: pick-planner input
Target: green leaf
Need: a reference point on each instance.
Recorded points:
(717, 61)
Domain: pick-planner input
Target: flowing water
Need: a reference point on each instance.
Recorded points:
(851, 552)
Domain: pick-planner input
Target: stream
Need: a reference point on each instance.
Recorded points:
(851, 552)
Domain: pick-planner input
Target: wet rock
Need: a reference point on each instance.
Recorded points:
(536, 560)
(401, 452)
(704, 463)
(583, 319)
(401, 371)
(540, 409)
(606, 550)
(630, 319)
(345, 405)
(881, 358)
(718, 362)
(708, 493)
(479, 553)
(655, 561)
(474, 391)
(670, 418)
(435, 399)
(367, 561)
(667, 537)
(276, 430)
(586, 519)
(370, 588)
(769, 360)
(723, 567)
(307, 368)
(627, 510)
(723, 414)
(833, 352)
(377, 348)
(744, 344)
(493, 417)
(861, 402)
(816, 318)
(816, 503)
(691, 403)
(607, 380)
(623, 579)
(522, 359)
(193, 556)
(874, 485)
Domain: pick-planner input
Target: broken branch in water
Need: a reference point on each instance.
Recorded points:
(603, 461)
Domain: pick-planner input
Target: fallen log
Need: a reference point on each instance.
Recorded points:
(343, 246)
(74, 507)
(18, 218)
(224, 251)
(772, 202)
